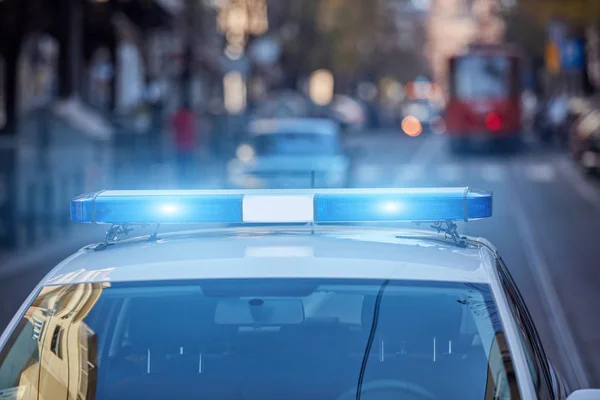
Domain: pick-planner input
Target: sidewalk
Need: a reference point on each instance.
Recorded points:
(63, 242)
(23, 259)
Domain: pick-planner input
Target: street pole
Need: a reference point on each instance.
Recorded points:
(71, 48)
(11, 49)
(70, 38)
(188, 56)
(8, 150)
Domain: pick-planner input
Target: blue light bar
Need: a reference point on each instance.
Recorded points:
(142, 207)
(456, 204)
(282, 206)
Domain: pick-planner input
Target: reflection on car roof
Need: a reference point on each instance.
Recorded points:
(293, 125)
(235, 253)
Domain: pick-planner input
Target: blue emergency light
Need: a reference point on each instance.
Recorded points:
(282, 206)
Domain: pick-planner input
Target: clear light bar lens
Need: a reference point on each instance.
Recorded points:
(278, 209)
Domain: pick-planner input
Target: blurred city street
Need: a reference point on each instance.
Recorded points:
(270, 94)
(544, 224)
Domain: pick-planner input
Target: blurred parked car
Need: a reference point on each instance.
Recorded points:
(290, 153)
(584, 140)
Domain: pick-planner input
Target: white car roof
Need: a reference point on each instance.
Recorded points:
(280, 253)
(293, 125)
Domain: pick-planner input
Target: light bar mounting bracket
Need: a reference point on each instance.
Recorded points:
(450, 229)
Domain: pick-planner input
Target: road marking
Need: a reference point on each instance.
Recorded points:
(414, 169)
(541, 172)
(554, 310)
(493, 172)
(450, 172)
(429, 149)
(368, 173)
(577, 182)
(410, 173)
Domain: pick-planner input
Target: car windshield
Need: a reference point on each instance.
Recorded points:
(260, 338)
(295, 144)
(484, 78)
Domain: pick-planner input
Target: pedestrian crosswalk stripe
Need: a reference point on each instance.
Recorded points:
(493, 172)
(384, 174)
(368, 173)
(410, 173)
(541, 172)
(450, 172)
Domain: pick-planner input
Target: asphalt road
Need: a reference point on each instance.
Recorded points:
(545, 224)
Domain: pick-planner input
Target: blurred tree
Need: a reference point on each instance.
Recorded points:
(582, 11)
(352, 31)
(355, 39)
(296, 24)
(527, 25)
(525, 29)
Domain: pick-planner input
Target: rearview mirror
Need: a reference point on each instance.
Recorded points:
(258, 311)
(585, 394)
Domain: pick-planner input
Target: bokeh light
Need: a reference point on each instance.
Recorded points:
(234, 91)
(321, 87)
(411, 126)
(245, 153)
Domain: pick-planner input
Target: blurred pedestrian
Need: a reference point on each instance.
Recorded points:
(530, 105)
(184, 128)
(558, 109)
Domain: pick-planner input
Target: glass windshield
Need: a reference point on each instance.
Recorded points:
(253, 339)
(295, 144)
(484, 78)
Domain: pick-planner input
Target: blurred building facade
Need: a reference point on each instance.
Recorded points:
(453, 24)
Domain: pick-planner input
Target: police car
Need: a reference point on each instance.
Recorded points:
(290, 153)
(292, 295)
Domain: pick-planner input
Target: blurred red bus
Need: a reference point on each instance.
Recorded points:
(484, 104)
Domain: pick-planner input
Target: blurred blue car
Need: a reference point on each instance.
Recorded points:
(290, 153)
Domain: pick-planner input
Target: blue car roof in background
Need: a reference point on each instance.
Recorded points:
(293, 125)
